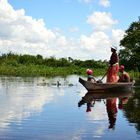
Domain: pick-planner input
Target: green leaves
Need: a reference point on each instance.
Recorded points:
(131, 42)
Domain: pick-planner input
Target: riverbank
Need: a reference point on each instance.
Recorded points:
(42, 70)
(45, 71)
(28, 65)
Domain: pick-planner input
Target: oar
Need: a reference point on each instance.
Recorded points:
(100, 81)
(103, 76)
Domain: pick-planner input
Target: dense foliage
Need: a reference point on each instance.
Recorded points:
(130, 55)
(15, 60)
(29, 65)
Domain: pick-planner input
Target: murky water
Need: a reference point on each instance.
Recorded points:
(45, 109)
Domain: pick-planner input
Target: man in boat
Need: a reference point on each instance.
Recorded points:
(124, 76)
(112, 73)
(90, 76)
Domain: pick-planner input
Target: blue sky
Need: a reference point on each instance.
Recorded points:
(81, 29)
(69, 13)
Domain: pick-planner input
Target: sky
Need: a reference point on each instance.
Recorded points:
(80, 29)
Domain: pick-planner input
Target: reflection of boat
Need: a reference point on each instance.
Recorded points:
(90, 96)
(106, 86)
(100, 95)
(93, 101)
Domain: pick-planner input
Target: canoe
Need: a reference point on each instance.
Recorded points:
(120, 86)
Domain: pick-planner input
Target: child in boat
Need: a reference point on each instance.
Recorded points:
(90, 76)
(124, 76)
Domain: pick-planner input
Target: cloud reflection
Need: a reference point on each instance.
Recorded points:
(98, 112)
(22, 102)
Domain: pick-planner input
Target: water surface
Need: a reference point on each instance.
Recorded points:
(39, 108)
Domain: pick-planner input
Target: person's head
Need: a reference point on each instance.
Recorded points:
(113, 48)
(121, 68)
(89, 71)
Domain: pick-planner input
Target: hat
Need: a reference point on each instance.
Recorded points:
(121, 67)
(114, 47)
(89, 71)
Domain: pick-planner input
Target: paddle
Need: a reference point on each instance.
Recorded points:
(100, 80)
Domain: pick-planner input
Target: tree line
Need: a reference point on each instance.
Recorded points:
(26, 59)
(130, 53)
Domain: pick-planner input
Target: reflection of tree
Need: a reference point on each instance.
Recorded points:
(132, 109)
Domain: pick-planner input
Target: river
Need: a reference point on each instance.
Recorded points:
(60, 108)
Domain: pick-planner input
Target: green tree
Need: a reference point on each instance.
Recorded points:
(131, 42)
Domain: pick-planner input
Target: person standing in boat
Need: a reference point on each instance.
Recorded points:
(124, 76)
(90, 76)
(112, 73)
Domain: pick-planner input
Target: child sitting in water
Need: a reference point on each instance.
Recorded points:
(90, 76)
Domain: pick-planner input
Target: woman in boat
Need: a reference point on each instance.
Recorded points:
(112, 73)
(90, 76)
(124, 77)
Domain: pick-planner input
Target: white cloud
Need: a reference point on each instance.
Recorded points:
(117, 35)
(86, 1)
(101, 21)
(23, 34)
(20, 33)
(98, 45)
(94, 40)
(74, 29)
(104, 3)
(62, 41)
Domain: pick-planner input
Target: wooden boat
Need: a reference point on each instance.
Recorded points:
(120, 86)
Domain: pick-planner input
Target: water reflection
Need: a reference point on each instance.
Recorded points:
(32, 111)
(112, 102)
(23, 97)
(132, 109)
(21, 103)
(20, 99)
(111, 107)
